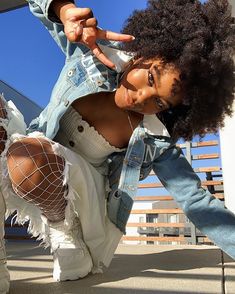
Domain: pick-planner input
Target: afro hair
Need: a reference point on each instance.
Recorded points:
(199, 39)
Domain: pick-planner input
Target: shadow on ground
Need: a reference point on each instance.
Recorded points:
(172, 265)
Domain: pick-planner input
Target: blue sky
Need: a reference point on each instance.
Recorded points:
(31, 61)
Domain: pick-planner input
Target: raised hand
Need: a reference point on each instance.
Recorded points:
(81, 26)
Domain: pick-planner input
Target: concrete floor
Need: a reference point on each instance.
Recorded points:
(135, 269)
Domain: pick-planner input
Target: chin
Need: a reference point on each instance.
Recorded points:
(140, 111)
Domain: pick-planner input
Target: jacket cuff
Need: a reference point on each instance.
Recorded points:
(50, 13)
(45, 6)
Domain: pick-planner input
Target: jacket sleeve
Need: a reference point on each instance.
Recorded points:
(206, 212)
(41, 9)
(178, 177)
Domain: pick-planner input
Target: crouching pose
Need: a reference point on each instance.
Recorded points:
(114, 115)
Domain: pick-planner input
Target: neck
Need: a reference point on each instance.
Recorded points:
(111, 104)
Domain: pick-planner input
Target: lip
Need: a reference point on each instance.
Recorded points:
(128, 99)
(130, 104)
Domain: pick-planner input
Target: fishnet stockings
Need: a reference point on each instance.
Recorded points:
(36, 173)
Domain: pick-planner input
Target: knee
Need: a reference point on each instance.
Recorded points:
(33, 166)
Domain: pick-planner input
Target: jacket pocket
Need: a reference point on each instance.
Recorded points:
(119, 207)
(76, 74)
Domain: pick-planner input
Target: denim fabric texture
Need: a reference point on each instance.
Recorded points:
(83, 74)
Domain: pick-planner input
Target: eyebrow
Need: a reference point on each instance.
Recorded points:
(158, 74)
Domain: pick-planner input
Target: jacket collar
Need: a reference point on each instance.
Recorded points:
(153, 126)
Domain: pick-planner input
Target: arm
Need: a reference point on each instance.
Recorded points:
(80, 25)
(206, 212)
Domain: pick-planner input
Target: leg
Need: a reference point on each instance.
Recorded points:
(4, 274)
(37, 175)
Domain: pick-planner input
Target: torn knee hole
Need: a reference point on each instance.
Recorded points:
(35, 169)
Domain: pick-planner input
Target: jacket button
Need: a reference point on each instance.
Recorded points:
(163, 149)
(99, 83)
(66, 103)
(71, 143)
(70, 73)
(80, 129)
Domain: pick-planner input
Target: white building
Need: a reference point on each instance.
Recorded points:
(6, 5)
(29, 108)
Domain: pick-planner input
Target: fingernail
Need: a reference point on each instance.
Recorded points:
(132, 37)
(113, 67)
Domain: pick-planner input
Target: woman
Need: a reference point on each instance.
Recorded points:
(108, 123)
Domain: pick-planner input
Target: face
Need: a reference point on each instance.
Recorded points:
(146, 87)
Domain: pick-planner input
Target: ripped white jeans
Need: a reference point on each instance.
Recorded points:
(85, 196)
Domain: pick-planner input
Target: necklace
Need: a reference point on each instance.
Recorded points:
(129, 119)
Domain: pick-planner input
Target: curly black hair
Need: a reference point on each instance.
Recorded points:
(199, 39)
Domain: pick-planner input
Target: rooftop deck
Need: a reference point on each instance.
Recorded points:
(135, 269)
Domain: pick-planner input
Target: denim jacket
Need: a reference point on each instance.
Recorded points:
(150, 146)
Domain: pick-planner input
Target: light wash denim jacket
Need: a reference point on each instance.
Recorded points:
(149, 147)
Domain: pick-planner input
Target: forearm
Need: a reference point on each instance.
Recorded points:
(59, 7)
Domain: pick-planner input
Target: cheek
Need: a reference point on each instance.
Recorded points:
(119, 96)
(136, 78)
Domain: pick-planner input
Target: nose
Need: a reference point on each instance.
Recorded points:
(145, 93)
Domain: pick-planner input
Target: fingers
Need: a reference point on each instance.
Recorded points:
(74, 29)
(109, 35)
(90, 22)
(100, 55)
(76, 19)
(79, 13)
(74, 32)
(86, 13)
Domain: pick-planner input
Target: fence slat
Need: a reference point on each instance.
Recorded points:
(159, 185)
(157, 225)
(160, 239)
(201, 144)
(168, 197)
(158, 211)
(205, 156)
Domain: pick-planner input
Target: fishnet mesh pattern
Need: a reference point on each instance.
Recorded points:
(36, 173)
(3, 133)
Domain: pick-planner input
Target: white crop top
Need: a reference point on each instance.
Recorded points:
(79, 136)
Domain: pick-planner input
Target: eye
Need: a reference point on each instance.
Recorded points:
(159, 103)
(150, 79)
